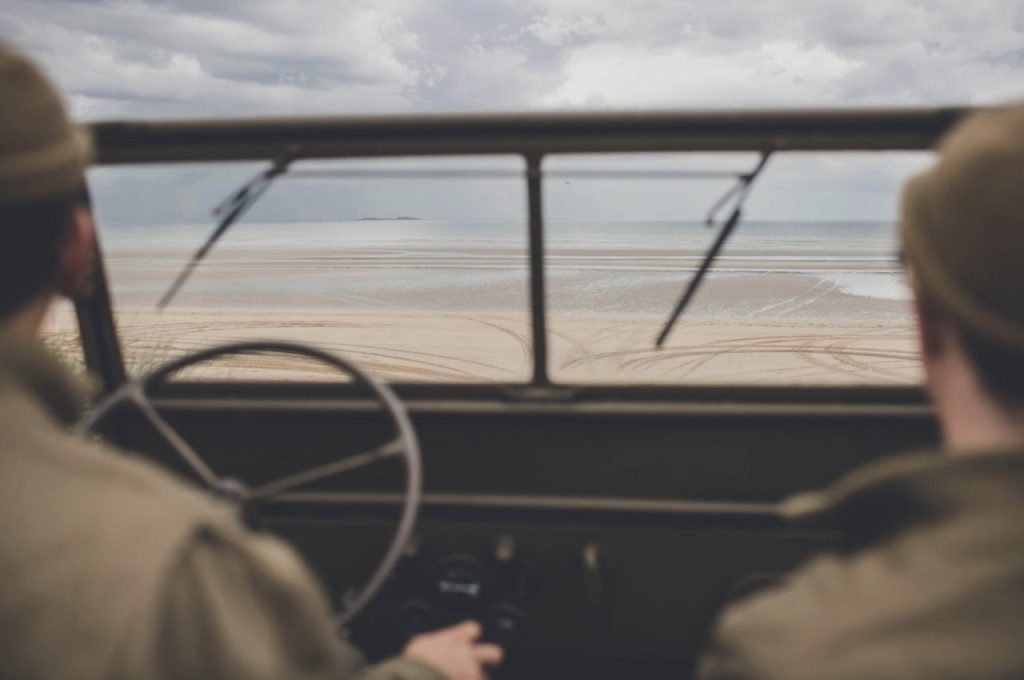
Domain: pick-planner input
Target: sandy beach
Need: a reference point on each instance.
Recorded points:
(454, 348)
(446, 303)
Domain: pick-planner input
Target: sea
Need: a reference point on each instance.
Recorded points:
(798, 270)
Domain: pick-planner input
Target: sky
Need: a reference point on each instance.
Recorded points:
(130, 59)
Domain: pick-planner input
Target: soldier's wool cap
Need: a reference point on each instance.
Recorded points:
(42, 154)
(963, 226)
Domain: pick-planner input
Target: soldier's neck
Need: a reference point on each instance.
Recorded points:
(973, 421)
(28, 320)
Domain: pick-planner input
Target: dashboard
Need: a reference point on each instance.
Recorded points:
(580, 559)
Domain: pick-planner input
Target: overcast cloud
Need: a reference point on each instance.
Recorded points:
(120, 58)
(194, 58)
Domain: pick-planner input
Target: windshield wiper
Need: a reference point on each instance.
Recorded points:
(739, 192)
(232, 208)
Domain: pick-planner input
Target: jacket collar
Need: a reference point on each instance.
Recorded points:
(26, 366)
(884, 498)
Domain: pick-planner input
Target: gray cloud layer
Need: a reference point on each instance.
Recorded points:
(192, 58)
(231, 57)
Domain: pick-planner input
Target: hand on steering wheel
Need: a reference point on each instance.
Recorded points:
(404, 444)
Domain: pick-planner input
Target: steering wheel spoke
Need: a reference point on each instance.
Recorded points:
(177, 442)
(347, 464)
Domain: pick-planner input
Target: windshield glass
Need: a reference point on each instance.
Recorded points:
(418, 268)
(369, 270)
(807, 290)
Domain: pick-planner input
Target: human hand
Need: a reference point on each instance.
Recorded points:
(454, 653)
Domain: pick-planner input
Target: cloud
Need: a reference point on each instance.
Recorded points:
(228, 57)
(130, 58)
(780, 73)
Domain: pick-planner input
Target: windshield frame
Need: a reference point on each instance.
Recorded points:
(533, 137)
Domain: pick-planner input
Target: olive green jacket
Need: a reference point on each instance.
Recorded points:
(928, 582)
(110, 568)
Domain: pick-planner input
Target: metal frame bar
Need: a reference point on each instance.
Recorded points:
(523, 134)
(607, 510)
(100, 343)
(532, 136)
(538, 304)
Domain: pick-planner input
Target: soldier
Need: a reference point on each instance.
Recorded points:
(109, 568)
(929, 578)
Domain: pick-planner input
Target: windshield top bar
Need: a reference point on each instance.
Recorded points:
(740, 191)
(534, 133)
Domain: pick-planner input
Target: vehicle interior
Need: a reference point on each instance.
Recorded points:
(592, 505)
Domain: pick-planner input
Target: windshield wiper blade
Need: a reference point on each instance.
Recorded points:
(232, 208)
(739, 191)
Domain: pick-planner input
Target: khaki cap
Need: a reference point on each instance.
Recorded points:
(963, 226)
(42, 155)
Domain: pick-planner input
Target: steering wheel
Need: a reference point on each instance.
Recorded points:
(404, 445)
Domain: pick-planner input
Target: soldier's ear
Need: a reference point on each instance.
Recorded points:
(930, 339)
(77, 252)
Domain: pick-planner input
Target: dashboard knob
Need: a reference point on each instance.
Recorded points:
(460, 582)
(505, 551)
(594, 575)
